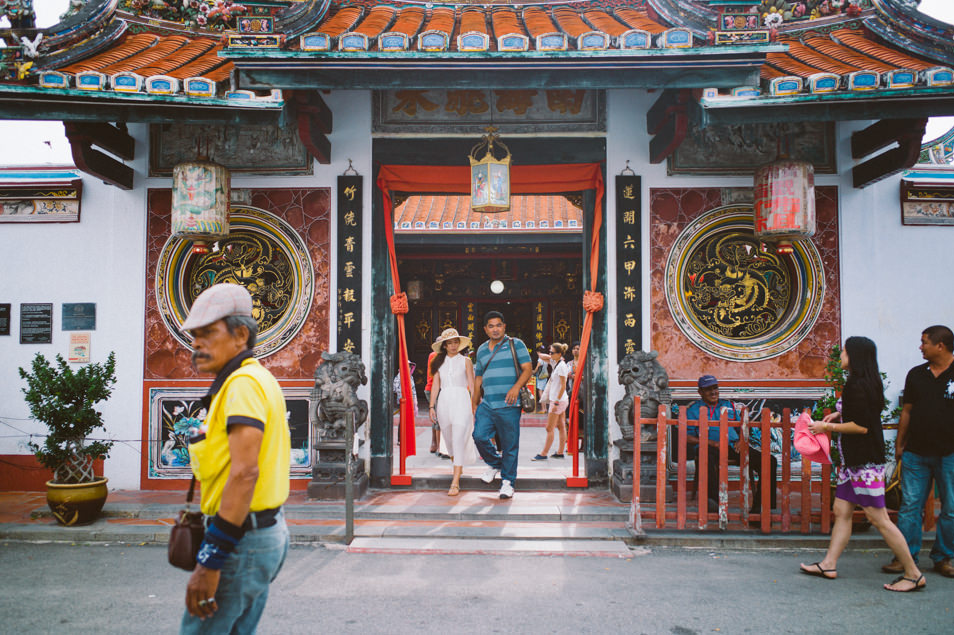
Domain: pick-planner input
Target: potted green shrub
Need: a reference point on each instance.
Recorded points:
(64, 400)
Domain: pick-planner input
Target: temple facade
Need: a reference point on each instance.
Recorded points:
(635, 128)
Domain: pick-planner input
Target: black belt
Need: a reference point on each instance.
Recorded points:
(255, 520)
(262, 519)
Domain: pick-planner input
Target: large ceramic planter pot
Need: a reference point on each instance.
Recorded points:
(76, 504)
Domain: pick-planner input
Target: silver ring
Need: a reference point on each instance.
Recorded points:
(203, 602)
(211, 600)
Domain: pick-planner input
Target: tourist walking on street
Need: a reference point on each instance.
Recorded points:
(498, 411)
(558, 400)
(861, 468)
(240, 457)
(925, 448)
(450, 400)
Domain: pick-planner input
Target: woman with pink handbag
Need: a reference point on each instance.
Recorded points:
(861, 469)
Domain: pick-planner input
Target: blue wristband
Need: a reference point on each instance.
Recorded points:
(220, 540)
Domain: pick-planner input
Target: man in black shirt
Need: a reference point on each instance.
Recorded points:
(925, 447)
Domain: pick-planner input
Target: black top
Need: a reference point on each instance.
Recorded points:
(931, 427)
(864, 410)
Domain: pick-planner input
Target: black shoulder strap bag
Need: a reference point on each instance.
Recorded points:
(527, 402)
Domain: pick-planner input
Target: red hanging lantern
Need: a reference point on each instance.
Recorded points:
(785, 203)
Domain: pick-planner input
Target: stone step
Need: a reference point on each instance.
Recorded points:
(491, 546)
(490, 509)
(497, 531)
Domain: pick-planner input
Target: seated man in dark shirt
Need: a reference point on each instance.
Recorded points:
(709, 391)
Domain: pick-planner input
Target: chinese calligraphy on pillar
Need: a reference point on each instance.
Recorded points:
(538, 323)
(628, 275)
(350, 196)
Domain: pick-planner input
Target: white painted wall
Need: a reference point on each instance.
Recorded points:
(100, 260)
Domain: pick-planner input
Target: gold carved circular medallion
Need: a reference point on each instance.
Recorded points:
(734, 300)
(262, 253)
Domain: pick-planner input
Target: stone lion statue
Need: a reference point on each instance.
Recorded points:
(641, 375)
(336, 381)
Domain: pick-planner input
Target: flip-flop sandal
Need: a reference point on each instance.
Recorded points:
(820, 573)
(917, 584)
(454, 490)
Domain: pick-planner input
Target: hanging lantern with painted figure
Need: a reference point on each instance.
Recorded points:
(200, 203)
(785, 203)
(489, 176)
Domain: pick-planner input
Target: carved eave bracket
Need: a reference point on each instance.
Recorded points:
(907, 133)
(313, 118)
(114, 139)
(668, 121)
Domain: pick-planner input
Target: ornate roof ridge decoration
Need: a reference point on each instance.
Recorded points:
(301, 17)
(899, 21)
(687, 14)
(92, 18)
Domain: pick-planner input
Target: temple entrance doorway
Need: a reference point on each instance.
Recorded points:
(446, 261)
(526, 263)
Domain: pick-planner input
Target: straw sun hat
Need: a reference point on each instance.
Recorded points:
(450, 334)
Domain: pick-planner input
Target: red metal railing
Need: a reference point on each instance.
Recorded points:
(812, 509)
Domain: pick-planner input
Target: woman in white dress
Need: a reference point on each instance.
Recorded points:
(558, 400)
(451, 403)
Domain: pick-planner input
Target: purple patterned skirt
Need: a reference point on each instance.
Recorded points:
(862, 485)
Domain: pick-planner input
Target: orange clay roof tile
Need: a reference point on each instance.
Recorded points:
(340, 22)
(376, 22)
(409, 21)
(537, 21)
(441, 19)
(809, 56)
(571, 22)
(638, 19)
(602, 21)
(165, 47)
(845, 54)
(473, 20)
(505, 20)
(857, 41)
(191, 51)
(131, 45)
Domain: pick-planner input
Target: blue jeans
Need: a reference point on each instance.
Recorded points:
(917, 472)
(504, 422)
(243, 586)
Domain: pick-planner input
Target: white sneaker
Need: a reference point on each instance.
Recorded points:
(506, 489)
(489, 475)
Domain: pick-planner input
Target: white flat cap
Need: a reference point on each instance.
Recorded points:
(217, 302)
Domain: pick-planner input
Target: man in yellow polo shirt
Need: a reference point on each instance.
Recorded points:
(241, 459)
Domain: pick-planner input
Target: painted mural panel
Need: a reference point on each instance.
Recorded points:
(176, 413)
(672, 211)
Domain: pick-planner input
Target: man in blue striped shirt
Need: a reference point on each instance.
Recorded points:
(498, 411)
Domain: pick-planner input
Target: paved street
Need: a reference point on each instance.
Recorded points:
(118, 588)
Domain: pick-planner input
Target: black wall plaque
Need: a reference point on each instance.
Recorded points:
(4, 319)
(36, 323)
(629, 328)
(350, 197)
(80, 316)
